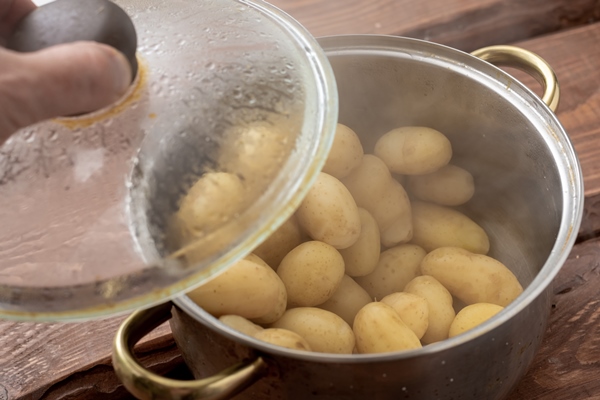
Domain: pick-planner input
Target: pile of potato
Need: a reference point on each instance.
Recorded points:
(361, 267)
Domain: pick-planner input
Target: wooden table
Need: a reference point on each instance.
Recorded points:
(68, 361)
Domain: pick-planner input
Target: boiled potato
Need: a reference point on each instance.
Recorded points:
(241, 324)
(329, 214)
(414, 150)
(471, 316)
(345, 154)
(378, 329)
(256, 259)
(347, 300)
(448, 186)
(437, 226)
(278, 308)
(246, 289)
(210, 203)
(361, 258)
(283, 338)
(311, 273)
(324, 331)
(412, 309)
(374, 189)
(472, 278)
(280, 242)
(396, 267)
(439, 303)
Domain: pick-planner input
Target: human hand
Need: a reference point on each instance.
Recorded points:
(61, 80)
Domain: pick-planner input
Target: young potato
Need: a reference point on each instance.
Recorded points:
(345, 154)
(347, 300)
(396, 267)
(211, 202)
(284, 338)
(439, 303)
(437, 226)
(379, 329)
(311, 273)
(241, 324)
(414, 150)
(471, 316)
(324, 331)
(472, 278)
(361, 258)
(281, 242)
(278, 308)
(448, 186)
(246, 289)
(374, 189)
(329, 214)
(256, 259)
(413, 310)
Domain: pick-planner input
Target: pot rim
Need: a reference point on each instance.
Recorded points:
(558, 143)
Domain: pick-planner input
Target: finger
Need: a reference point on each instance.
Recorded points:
(61, 80)
(11, 12)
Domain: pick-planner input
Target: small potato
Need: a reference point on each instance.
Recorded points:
(256, 259)
(472, 278)
(324, 331)
(278, 307)
(311, 273)
(448, 186)
(283, 338)
(396, 267)
(368, 182)
(439, 303)
(347, 300)
(246, 289)
(361, 258)
(471, 316)
(241, 324)
(414, 150)
(345, 154)
(437, 226)
(329, 214)
(413, 310)
(280, 242)
(374, 189)
(379, 329)
(211, 202)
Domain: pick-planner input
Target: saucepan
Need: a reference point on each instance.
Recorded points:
(529, 198)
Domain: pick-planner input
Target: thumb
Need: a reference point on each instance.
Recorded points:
(62, 80)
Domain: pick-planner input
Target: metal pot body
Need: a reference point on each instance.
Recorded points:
(529, 198)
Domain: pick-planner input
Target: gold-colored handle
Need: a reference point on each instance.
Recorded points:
(516, 57)
(146, 385)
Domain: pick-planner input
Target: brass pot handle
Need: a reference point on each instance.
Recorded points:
(146, 385)
(516, 57)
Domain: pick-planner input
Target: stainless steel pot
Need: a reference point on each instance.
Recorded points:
(529, 198)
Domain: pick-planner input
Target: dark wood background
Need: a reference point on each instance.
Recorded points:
(72, 361)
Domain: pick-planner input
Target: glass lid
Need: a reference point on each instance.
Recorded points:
(226, 125)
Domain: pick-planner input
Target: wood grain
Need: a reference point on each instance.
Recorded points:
(465, 24)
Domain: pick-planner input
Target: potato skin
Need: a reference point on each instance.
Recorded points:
(345, 154)
(448, 186)
(324, 331)
(361, 258)
(414, 150)
(280, 242)
(311, 273)
(246, 289)
(437, 226)
(347, 300)
(472, 278)
(379, 329)
(396, 267)
(284, 338)
(471, 316)
(329, 214)
(439, 303)
(412, 309)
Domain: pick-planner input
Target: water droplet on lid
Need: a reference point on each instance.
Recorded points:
(210, 65)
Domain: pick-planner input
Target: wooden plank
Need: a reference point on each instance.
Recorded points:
(464, 24)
